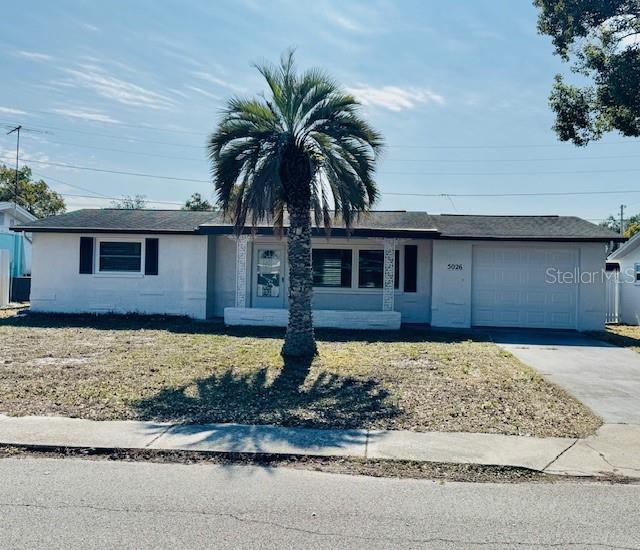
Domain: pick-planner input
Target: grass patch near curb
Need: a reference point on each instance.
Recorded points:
(435, 471)
(174, 369)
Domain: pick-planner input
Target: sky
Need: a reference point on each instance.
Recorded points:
(458, 89)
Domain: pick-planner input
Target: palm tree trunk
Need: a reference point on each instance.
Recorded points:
(299, 340)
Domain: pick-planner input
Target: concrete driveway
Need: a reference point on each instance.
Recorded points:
(604, 377)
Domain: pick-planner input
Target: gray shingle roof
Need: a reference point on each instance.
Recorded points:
(375, 223)
(121, 219)
(519, 226)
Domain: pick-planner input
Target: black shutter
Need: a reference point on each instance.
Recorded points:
(86, 255)
(151, 257)
(410, 268)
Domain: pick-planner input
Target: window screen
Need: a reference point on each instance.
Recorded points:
(371, 269)
(120, 256)
(331, 268)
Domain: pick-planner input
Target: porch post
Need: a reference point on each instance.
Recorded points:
(388, 274)
(241, 270)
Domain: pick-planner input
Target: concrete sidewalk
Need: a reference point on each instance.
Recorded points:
(614, 450)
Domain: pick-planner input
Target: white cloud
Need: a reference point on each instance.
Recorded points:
(11, 111)
(89, 27)
(395, 98)
(117, 89)
(218, 81)
(203, 92)
(345, 23)
(34, 56)
(86, 115)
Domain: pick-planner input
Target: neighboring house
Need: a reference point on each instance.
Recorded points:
(627, 280)
(18, 245)
(393, 267)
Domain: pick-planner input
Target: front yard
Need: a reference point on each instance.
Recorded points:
(178, 370)
(625, 336)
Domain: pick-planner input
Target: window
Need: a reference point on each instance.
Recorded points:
(410, 268)
(120, 256)
(331, 267)
(371, 269)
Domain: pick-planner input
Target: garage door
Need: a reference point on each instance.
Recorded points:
(511, 287)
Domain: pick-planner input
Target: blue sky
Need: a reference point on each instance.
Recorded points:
(459, 90)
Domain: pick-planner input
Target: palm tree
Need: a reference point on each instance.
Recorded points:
(305, 149)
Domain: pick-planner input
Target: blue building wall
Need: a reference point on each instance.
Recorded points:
(15, 245)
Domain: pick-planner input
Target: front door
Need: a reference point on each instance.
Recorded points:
(268, 276)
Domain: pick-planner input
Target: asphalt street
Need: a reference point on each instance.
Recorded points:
(73, 503)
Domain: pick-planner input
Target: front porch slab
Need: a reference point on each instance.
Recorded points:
(322, 318)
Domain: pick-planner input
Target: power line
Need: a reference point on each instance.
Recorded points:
(545, 159)
(126, 152)
(172, 178)
(519, 173)
(149, 201)
(108, 171)
(111, 136)
(392, 146)
(536, 194)
(458, 174)
(437, 161)
(69, 184)
(511, 146)
(115, 123)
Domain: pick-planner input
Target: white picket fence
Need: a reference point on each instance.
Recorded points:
(5, 277)
(612, 297)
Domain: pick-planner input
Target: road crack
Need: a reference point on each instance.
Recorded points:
(243, 519)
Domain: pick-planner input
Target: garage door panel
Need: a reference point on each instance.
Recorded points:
(510, 288)
(535, 298)
(535, 318)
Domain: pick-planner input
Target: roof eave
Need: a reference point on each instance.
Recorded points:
(39, 229)
(531, 238)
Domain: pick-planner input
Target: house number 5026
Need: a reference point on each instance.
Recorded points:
(455, 267)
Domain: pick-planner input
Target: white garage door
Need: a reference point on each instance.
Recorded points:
(511, 287)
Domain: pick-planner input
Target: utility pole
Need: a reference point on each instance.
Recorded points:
(16, 189)
(622, 207)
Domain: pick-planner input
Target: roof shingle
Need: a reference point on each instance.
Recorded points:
(452, 226)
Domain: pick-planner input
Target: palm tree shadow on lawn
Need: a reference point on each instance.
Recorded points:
(292, 399)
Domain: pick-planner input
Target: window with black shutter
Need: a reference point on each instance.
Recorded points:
(410, 268)
(86, 255)
(151, 257)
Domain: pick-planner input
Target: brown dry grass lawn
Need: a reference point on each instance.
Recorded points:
(174, 369)
(625, 336)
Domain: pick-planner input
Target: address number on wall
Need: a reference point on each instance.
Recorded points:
(455, 267)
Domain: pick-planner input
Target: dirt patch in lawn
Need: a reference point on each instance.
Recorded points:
(178, 370)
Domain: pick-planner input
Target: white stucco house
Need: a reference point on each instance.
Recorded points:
(626, 283)
(390, 268)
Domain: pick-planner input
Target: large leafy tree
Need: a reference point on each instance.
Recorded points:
(127, 202)
(302, 150)
(34, 196)
(631, 225)
(603, 38)
(197, 203)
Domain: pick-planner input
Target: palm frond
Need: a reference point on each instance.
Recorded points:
(305, 118)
